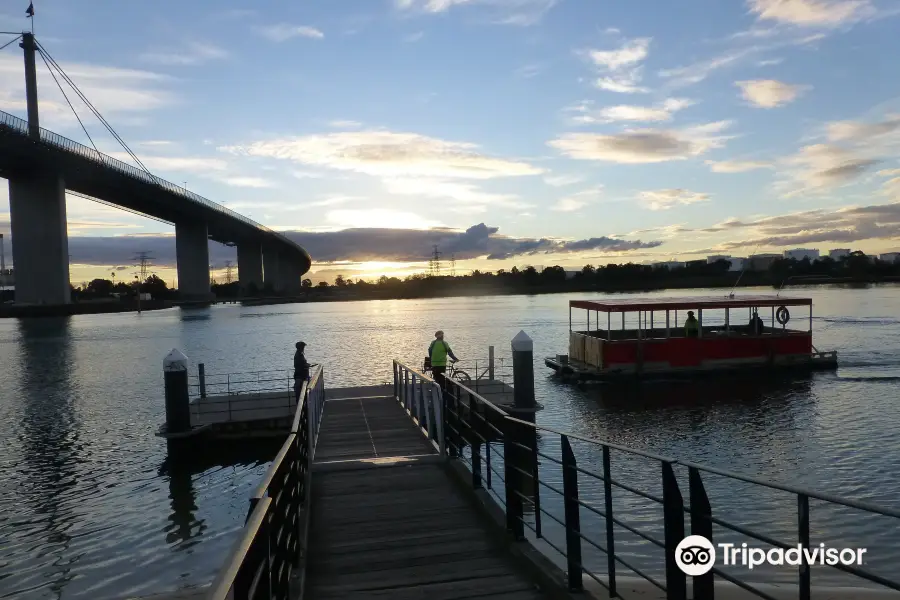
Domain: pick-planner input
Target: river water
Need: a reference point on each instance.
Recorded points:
(89, 510)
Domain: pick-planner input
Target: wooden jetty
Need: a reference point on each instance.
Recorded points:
(388, 520)
(411, 490)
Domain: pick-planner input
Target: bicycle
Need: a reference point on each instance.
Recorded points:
(452, 372)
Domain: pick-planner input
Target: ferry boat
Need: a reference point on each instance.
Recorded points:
(725, 334)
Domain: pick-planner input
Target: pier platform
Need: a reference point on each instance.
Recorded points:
(388, 521)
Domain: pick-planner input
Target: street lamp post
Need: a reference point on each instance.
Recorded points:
(138, 280)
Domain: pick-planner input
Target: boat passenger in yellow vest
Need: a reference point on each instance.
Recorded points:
(438, 352)
(691, 326)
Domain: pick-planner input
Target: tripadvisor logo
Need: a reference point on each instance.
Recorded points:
(695, 555)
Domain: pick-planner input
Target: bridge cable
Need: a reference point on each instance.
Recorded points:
(74, 112)
(10, 41)
(92, 108)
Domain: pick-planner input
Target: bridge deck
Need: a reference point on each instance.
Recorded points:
(387, 520)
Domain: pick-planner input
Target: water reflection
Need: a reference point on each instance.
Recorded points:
(181, 468)
(49, 435)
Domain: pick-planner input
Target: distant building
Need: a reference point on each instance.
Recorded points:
(737, 264)
(671, 264)
(761, 262)
(801, 253)
(839, 253)
(890, 257)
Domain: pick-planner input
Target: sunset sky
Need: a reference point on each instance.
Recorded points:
(508, 132)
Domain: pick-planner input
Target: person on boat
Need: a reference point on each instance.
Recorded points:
(438, 352)
(301, 368)
(691, 325)
(756, 324)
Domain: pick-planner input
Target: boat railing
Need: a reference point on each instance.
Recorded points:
(271, 547)
(503, 456)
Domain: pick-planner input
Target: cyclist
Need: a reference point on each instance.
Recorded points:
(438, 352)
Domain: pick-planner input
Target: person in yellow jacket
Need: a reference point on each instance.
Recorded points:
(691, 325)
(438, 352)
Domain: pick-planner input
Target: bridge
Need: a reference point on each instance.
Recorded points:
(411, 490)
(41, 165)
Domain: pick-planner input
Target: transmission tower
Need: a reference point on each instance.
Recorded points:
(142, 262)
(452, 265)
(228, 267)
(435, 262)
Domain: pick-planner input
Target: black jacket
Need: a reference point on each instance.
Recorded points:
(301, 367)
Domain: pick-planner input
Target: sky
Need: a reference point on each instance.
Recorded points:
(507, 132)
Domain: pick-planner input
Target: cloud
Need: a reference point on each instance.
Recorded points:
(822, 167)
(577, 200)
(529, 71)
(663, 111)
(850, 149)
(812, 13)
(670, 198)
(843, 225)
(620, 68)
(562, 180)
(250, 182)
(414, 37)
(378, 217)
(699, 71)
(345, 124)
(642, 146)
(358, 245)
(388, 154)
(462, 192)
(115, 92)
(736, 166)
(195, 53)
(283, 32)
(176, 163)
(855, 131)
(769, 93)
(523, 13)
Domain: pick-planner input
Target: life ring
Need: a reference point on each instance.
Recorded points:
(782, 315)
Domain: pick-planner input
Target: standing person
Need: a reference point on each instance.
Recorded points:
(691, 326)
(438, 351)
(301, 369)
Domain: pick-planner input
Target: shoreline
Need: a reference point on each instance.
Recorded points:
(439, 289)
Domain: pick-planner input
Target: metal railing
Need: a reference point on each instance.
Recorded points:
(204, 385)
(272, 545)
(51, 138)
(502, 451)
(423, 401)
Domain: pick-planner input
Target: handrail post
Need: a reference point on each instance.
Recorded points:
(490, 363)
(475, 443)
(514, 509)
(610, 531)
(572, 516)
(201, 372)
(673, 524)
(439, 417)
(701, 524)
(803, 530)
(415, 400)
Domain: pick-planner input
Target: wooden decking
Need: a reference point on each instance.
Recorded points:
(389, 522)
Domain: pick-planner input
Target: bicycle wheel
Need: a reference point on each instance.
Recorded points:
(461, 375)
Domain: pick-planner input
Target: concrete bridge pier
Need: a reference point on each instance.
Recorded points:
(290, 275)
(40, 241)
(250, 265)
(192, 255)
(271, 270)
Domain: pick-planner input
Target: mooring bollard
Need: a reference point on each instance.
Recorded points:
(178, 410)
(523, 408)
(523, 375)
